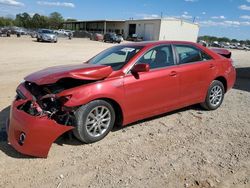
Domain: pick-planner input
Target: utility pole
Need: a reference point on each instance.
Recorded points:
(194, 19)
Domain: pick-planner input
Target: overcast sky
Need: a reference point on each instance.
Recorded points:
(229, 18)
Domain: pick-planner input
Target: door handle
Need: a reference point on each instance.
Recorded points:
(211, 66)
(173, 73)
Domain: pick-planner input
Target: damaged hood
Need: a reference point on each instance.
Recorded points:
(83, 72)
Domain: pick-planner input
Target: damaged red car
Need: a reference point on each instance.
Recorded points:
(119, 86)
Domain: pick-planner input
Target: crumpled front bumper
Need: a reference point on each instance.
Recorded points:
(40, 132)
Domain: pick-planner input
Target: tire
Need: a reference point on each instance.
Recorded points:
(95, 129)
(215, 96)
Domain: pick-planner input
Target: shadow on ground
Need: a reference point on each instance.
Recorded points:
(4, 114)
(67, 138)
(243, 79)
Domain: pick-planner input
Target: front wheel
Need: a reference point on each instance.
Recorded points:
(94, 121)
(215, 96)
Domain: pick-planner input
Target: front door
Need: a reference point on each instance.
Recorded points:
(155, 91)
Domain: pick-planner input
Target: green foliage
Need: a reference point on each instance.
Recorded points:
(211, 39)
(56, 20)
(53, 21)
(6, 22)
(71, 20)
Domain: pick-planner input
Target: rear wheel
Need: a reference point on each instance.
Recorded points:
(215, 96)
(94, 121)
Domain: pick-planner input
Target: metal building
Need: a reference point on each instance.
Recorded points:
(98, 26)
(147, 29)
(162, 29)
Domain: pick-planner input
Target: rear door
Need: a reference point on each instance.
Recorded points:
(195, 69)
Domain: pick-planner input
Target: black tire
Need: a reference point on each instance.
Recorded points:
(81, 132)
(207, 104)
(38, 40)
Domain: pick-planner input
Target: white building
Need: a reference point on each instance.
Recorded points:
(148, 29)
(162, 29)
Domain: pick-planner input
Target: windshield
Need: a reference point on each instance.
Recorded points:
(116, 57)
(47, 31)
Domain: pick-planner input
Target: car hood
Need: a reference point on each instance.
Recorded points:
(83, 72)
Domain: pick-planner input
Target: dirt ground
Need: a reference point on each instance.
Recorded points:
(186, 148)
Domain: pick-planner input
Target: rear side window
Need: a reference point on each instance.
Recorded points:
(189, 54)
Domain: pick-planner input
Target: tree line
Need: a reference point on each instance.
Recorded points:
(53, 21)
(211, 39)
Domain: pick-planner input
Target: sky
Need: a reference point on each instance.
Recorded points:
(221, 18)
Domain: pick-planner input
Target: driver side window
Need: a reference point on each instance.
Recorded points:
(158, 57)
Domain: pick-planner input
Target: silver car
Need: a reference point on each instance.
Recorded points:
(46, 35)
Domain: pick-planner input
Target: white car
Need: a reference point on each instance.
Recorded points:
(46, 35)
(60, 31)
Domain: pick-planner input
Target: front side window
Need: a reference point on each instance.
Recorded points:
(189, 54)
(158, 57)
(116, 57)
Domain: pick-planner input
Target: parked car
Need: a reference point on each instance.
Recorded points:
(60, 31)
(5, 32)
(247, 47)
(112, 37)
(135, 38)
(46, 35)
(33, 34)
(97, 37)
(120, 37)
(21, 31)
(121, 85)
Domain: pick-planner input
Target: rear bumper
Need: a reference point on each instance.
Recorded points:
(231, 77)
(40, 132)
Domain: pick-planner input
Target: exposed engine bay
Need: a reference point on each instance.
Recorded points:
(45, 102)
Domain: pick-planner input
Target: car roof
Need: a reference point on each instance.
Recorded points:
(155, 43)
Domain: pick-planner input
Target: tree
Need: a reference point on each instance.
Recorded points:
(39, 21)
(56, 20)
(23, 20)
(234, 41)
(71, 20)
(36, 21)
(6, 22)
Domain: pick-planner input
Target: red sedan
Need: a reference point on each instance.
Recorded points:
(119, 86)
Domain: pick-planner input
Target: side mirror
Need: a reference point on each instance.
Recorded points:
(140, 68)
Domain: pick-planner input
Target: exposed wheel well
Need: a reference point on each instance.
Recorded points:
(223, 81)
(118, 111)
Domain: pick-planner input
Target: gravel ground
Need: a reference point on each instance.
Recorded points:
(186, 148)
